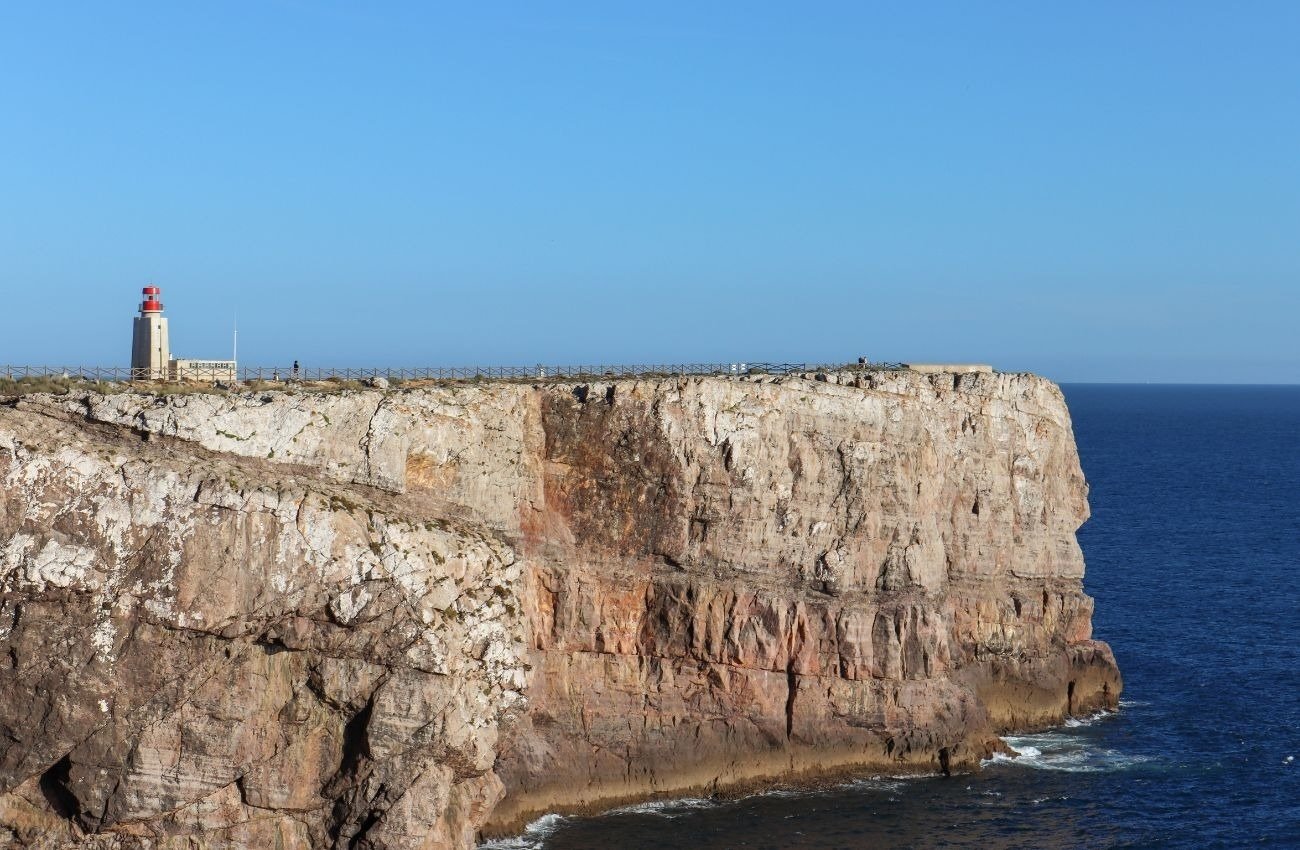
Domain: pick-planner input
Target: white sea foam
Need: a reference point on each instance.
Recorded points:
(1024, 754)
(889, 784)
(1076, 722)
(1060, 750)
(532, 838)
(878, 783)
(664, 808)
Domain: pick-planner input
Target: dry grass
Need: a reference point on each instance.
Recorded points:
(12, 387)
(54, 386)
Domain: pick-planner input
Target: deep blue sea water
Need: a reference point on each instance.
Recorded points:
(1193, 554)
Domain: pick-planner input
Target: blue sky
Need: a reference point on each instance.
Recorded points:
(1093, 191)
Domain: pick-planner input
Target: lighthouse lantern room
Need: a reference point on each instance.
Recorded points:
(150, 352)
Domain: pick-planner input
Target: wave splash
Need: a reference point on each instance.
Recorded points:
(664, 808)
(1076, 722)
(1065, 750)
(532, 838)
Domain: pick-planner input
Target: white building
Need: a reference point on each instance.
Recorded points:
(202, 370)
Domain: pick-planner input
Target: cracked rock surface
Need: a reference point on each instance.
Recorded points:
(406, 619)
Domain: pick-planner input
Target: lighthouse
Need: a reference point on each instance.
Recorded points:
(151, 355)
(150, 352)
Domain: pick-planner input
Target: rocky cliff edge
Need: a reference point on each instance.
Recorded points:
(406, 619)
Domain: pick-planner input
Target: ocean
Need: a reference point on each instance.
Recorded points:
(1193, 556)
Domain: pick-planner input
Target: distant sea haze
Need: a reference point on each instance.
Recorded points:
(1193, 554)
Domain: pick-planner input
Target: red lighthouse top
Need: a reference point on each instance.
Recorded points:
(151, 304)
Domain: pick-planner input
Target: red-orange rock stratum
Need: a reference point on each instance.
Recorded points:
(405, 619)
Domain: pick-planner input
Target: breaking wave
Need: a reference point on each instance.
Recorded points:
(1076, 722)
(664, 808)
(1061, 750)
(532, 838)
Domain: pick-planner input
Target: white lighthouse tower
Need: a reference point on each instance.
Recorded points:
(150, 352)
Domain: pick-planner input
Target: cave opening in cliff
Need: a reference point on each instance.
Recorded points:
(54, 788)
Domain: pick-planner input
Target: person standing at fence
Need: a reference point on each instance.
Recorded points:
(295, 370)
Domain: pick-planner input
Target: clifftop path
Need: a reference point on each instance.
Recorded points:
(404, 619)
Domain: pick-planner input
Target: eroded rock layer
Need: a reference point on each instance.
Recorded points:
(405, 619)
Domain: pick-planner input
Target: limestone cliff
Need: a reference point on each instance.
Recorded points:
(401, 619)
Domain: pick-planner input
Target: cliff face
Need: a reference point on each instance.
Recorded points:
(396, 620)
